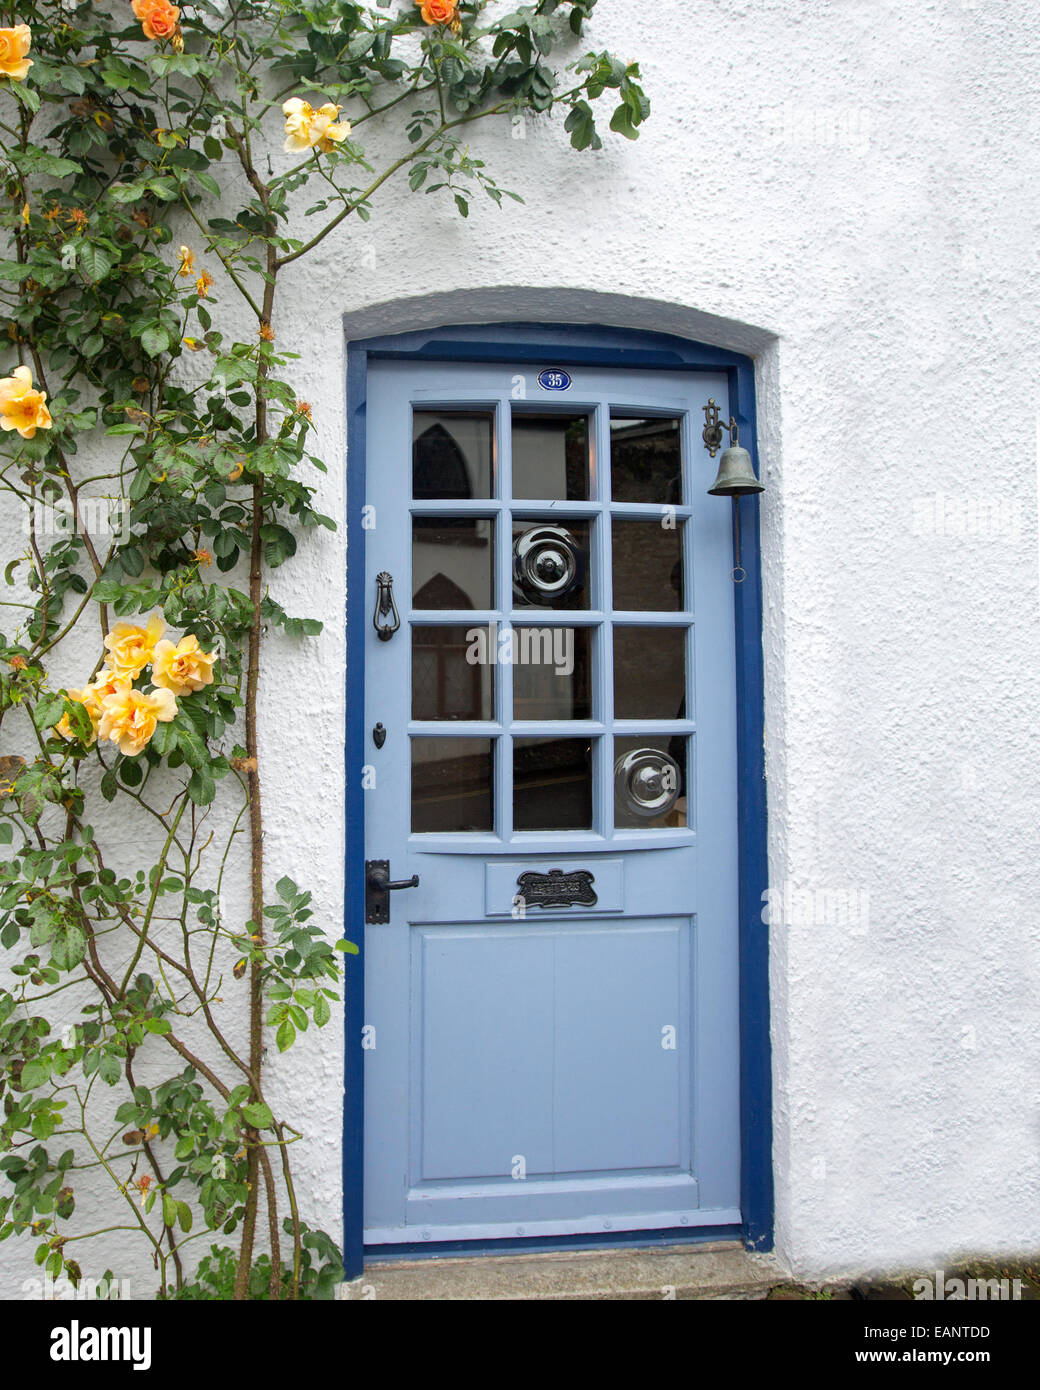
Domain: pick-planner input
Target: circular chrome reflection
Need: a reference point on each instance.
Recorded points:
(546, 563)
(646, 782)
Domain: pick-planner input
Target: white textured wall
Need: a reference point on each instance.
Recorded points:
(847, 189)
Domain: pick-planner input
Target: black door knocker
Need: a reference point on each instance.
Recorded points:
(386, 608)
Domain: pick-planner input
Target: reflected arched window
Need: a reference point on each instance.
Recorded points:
(451, 456)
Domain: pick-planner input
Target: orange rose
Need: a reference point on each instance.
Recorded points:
(158, 18)
(439, 11)
(14, 45)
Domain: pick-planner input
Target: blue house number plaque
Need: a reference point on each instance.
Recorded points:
(554, 379)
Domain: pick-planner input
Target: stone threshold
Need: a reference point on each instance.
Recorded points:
(720, 1270)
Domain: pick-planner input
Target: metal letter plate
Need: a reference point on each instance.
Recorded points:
(557, 889)
(569, 890)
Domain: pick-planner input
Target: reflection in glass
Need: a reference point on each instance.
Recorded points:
(648, 567)
(551, 457)
(452, 785)
(552, 669)
(649, 672)
(646, 460)
(452, 455)
(452, 563)
(453, 672)
(674, 747)
(552, 784)
(525, 588)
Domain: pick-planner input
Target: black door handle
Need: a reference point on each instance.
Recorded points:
(380, 880)
(378, 887)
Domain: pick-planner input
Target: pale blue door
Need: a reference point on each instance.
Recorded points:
(552, 1013)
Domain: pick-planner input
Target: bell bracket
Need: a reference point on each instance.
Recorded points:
(714, 429)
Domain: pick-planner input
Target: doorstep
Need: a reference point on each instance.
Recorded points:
(722, 1270)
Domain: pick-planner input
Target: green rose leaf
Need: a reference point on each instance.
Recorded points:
(109, 1069)
(155, 340)
(34, 1074)
(201, 786)
(68, 945)
(48, 711)
(192, 746)
(258, 1115)
(95, 261)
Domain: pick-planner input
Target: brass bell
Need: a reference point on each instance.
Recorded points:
(736, 477)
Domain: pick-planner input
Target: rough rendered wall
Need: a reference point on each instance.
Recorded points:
(847, 189)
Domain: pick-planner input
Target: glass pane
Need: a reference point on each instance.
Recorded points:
(648, 566)
(452, 562)
(551, 457)
(552, 668)
(452, 785)
(646, 460)
(641, 782)
(649, 673)
(452, 455)
(551, 565)
(453, 672)
(552, 784)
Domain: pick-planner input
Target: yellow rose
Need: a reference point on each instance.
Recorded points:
(130, 647)
(129, 717)
(14, 45)
(21, 406)
(106, 684)
(63, 728)
(91, 697)
(326, 131)
(182, 668)
(307, 129)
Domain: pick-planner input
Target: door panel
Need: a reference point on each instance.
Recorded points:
(552, 1012)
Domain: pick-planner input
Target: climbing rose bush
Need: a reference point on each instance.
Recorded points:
(164, 170)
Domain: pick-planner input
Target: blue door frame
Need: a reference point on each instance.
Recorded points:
(572, 346)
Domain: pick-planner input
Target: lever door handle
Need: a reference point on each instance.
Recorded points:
(378, 887)
(380, 879)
